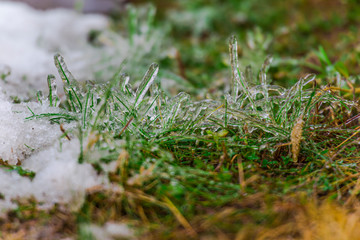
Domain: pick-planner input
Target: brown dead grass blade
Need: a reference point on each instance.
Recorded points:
(296, 136)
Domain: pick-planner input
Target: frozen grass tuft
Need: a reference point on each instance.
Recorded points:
(159, 150)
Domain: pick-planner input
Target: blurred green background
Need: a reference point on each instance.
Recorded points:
(292, 31)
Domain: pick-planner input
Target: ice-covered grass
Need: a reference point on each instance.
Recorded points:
(153, 142)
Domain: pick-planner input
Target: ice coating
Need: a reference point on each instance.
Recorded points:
(146, 83)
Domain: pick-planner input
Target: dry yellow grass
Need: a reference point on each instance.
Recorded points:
(327, 221)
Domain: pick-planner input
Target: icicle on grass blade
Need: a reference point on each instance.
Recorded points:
(124, 80)
(123, 103)
(264, 80)
(249, 77)
(264, 83)
(301, 93)
(146, 83)
(67, 79)
(234, 86)
(238, 80)
(103, 107)
(53, 97)
(85, 113)
(151, 103)
(65, 74)
(173, 108)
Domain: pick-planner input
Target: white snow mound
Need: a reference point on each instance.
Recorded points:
(59, 179)
(20, 137)
(29, 39)
(35, 143)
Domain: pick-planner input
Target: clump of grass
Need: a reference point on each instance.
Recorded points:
(212, 167)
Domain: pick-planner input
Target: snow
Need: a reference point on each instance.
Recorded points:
(66, 179)
(59, 179)
(29, 38)
(84, 5)
(18, 136)
(110, 231)
(35, 143)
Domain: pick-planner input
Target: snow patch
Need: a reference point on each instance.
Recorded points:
(35, 144)
(19, 137)
(59, 178)
(110, 231)
(29, 39)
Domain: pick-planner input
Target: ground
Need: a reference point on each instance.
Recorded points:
(246, 127)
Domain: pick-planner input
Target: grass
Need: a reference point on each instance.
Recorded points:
(250, 160)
